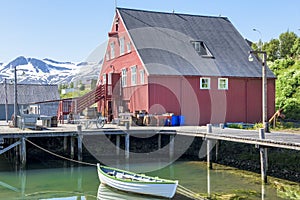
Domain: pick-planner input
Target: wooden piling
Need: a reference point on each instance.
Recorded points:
(263, 157)
(23, 152)
(79, 142)
(208, 147)
(118, 145)
(72, 144)
(17, 155)
(127, 146)
(65, 143)
(208, 183)
(217, 150)
(171, 146)
(159, 141)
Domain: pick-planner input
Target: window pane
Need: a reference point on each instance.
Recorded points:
(133, 75)
(128, 47)
(124, 77)
(223, 84)
(204, 83)
(122, 46)
(112, 50)
(142, 77)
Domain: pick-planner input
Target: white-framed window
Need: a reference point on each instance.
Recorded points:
(128, 47)
(109, 77)
(133, 75)
(122, 45)
(107, 55)
(124, 77)
(205, 83)
(223, 83)
(104, 78)
(112, 50)
(142, 76)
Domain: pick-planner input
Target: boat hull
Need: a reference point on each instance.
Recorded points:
(164, 188)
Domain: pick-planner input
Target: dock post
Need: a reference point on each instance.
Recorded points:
(118, 145)
(263, 157)
(23, 152)
(127, 125)
(65, 143)
(79, 142)
(127, 145)
(208, 183)
(217, 150)
(72, 147)
(171, 147)
(208, 147)
(159, 141)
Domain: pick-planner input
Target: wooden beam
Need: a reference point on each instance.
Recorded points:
(10, 147)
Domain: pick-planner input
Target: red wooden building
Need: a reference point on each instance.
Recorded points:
(189, 65)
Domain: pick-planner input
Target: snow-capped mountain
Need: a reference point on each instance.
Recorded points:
(47, 71)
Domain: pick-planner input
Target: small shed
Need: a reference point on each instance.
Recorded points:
(27, 97)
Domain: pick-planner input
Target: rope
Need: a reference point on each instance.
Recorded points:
(188, 193)
(59, 156)
(65, 192)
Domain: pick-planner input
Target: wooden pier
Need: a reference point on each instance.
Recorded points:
(16, 138)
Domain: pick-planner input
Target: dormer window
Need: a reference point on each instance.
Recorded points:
(201, 49)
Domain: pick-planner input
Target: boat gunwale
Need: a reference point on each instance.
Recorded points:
(163, 181)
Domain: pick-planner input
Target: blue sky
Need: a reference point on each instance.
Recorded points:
(69, 30)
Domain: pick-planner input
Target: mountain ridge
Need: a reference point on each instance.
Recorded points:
(48, 71)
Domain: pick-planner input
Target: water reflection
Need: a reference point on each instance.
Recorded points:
(83, 183)
(107, 193)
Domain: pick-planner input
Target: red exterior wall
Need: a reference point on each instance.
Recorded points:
(242, 102)
(134, 96)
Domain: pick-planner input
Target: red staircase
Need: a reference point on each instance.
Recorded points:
(80, 103)
(77, 105)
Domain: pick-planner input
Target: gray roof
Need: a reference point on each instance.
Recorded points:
(28, 93)
(163, 41)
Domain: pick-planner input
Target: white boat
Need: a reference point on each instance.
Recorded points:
(136, 183)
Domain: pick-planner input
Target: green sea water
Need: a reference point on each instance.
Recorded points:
(82, 183)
